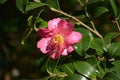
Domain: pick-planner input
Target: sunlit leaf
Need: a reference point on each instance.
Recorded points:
(21, 5)
(99, 11)
(75, 77)
(85, 69)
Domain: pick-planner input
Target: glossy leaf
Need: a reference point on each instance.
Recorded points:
(113, 4)
(84, 44)
(99, 11)
(33, 5)
(98, 45)
(68, 68)
(53, 3)
(75, 77)
(21, 5)
(108, 38)
(85, 69)
(114, 50)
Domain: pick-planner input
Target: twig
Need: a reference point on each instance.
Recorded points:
(74, 18)
(118, 26)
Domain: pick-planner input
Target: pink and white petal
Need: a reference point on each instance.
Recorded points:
(64, 53)
(70, 49)
(42, 44)
(52, 24)
(73, 38)
(64, 27)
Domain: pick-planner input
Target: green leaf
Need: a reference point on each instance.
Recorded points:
(111, 76)
(21, 5)
(99, 11)
(98, 45)
(33, 5)
(114, 7)
(108, 38)
(116, 67)
(85, 69)
(84, 44)
(52, 64)
(68, 68)
(53, 3)
(34, 20)
(75, 77)
(2, 1)
(114, 50)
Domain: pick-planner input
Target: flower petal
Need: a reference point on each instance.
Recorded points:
(59, 51)
(64, 53)
(52, 24)
(70, 49)
(43, 32)
(73, 38)
(64, 27)
(42, 44)
(67, 51)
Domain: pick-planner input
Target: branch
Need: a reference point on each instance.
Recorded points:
(116, 21)
(74, 18)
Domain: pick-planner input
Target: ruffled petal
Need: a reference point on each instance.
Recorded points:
(52, 24)
(43, 32)
(42, 44)
(64, 27)
(73, 38)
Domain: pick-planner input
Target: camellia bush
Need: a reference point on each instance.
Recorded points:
(75, 39)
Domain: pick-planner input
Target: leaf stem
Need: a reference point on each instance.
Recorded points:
(74, 18)
(116, 21)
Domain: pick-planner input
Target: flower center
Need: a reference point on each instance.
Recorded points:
(58, 39)
(55, 43)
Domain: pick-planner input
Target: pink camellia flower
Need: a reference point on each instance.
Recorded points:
(58, 39)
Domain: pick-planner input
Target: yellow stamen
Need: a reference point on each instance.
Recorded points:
(58, 39)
